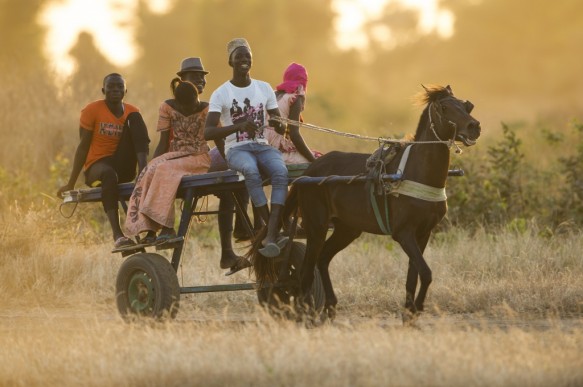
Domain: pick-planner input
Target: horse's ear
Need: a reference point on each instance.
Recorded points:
(448, 88)
(469, 106)
(424, 88)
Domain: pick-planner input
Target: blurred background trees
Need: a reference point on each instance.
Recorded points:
(518, 62)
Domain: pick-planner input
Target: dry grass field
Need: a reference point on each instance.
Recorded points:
(504, 309)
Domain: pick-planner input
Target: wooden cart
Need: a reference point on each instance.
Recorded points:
(147, 282)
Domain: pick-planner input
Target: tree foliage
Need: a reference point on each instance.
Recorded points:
(518, 63)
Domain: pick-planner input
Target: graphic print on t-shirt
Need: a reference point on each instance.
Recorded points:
(110, 129)
(247, 113)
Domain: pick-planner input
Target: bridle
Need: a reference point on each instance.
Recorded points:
(449, 142)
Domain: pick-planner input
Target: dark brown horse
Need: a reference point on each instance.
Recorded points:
(410, 218)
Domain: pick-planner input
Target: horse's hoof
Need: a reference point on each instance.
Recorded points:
(328, 314)
(409, 318)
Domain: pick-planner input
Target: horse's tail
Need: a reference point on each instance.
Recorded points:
(263, 267)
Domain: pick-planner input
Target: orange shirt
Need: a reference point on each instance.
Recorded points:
(106, 127)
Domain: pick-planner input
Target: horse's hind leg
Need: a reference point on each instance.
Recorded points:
(340, 238)
(316, 235)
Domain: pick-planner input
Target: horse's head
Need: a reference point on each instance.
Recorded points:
(450, 117)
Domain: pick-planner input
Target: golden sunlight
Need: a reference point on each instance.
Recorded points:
(354, 15)
(109, 22)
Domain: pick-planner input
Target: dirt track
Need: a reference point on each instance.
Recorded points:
(23, 319)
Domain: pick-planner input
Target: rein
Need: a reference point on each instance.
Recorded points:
(358, 136)
(377, 189)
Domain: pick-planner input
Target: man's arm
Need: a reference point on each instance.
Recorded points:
(142, 161)
(139, 133)
(278, 126)
(79, 160)
(213, 130)
(220, 144)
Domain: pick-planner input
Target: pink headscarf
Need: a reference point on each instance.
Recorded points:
(294, 76)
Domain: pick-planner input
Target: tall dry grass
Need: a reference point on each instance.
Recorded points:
(504, 309)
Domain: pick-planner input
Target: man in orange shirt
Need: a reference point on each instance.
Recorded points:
(114, 138)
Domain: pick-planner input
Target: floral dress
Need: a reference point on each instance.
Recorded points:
(151, 205)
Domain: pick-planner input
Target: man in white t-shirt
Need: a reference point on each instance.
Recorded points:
(246, 148)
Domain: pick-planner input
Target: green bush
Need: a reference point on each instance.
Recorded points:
(502, 188)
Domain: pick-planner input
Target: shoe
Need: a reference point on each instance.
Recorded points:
(167, 238)
(168, 241)
(281, 241)
(242, 263)
(123, 244)
(270, 250)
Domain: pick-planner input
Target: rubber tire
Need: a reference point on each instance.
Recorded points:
(278, 300)
(147, 286)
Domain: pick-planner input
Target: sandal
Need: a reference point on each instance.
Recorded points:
(229, 260)
(167, 238)
(242, 263)
(168, 241)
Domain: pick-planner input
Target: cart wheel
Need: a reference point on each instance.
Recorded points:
(278, 300)
(147, 286)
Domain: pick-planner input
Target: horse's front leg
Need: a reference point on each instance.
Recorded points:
(411, 288)
(417, 268)
(421, 295)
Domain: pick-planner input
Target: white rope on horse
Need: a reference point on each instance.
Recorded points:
(359, 136)
(450, 142)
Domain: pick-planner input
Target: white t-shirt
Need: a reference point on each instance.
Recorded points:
(237, 104)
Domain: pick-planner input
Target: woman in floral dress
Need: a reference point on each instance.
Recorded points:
(182, 151)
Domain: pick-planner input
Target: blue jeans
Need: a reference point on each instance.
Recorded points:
(251, 159)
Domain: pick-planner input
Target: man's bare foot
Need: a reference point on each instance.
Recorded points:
(228, 258)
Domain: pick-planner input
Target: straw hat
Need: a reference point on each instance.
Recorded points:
(235, 44)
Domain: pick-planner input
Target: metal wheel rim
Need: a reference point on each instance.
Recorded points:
(141, 295)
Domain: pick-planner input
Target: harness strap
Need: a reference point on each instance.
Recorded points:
(404, 158)
(419, 191)
(383, 223)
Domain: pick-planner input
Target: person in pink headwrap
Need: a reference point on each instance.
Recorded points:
(291, 97)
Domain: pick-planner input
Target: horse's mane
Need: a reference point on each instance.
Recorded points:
(429, 94)
(432, 93)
